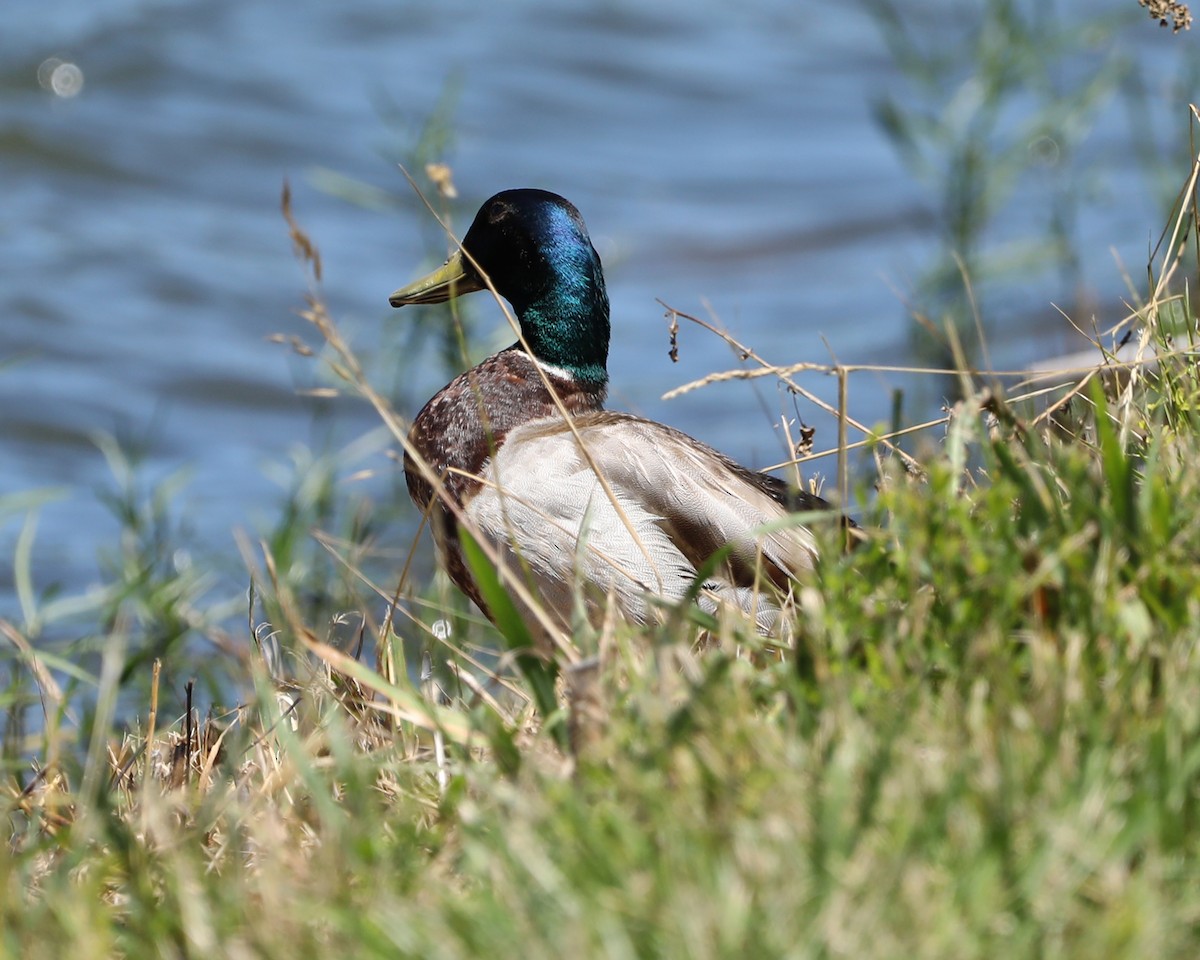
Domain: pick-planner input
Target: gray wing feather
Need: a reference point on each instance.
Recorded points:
(670, 503)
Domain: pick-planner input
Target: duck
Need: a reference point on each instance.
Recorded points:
(585, 508)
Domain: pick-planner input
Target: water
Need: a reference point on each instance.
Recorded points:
(724, 156)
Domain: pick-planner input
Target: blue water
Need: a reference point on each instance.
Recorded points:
(724, 156)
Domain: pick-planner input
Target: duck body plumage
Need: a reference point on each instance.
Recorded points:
(465, 424)
(593, 504)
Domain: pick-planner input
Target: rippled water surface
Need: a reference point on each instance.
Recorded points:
(724, 156)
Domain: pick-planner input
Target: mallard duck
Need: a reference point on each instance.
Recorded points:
(577, 501)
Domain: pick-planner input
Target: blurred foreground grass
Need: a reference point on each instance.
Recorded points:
(985, 742)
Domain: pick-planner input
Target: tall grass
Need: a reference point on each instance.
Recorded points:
(1005, 116)
(986, 740)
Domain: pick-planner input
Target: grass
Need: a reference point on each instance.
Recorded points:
(997, 113)
(985, 741)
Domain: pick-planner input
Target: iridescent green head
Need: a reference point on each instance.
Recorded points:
(535, 249)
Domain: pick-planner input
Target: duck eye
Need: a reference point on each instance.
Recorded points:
(499, 210)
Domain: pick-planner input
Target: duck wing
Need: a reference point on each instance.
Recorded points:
(703, 500)
(631, 507)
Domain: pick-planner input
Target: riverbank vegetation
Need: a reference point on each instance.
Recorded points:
(984, 740)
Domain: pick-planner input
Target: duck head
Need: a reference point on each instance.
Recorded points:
(534, 248)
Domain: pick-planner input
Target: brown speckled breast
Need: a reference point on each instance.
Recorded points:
(466, 422)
